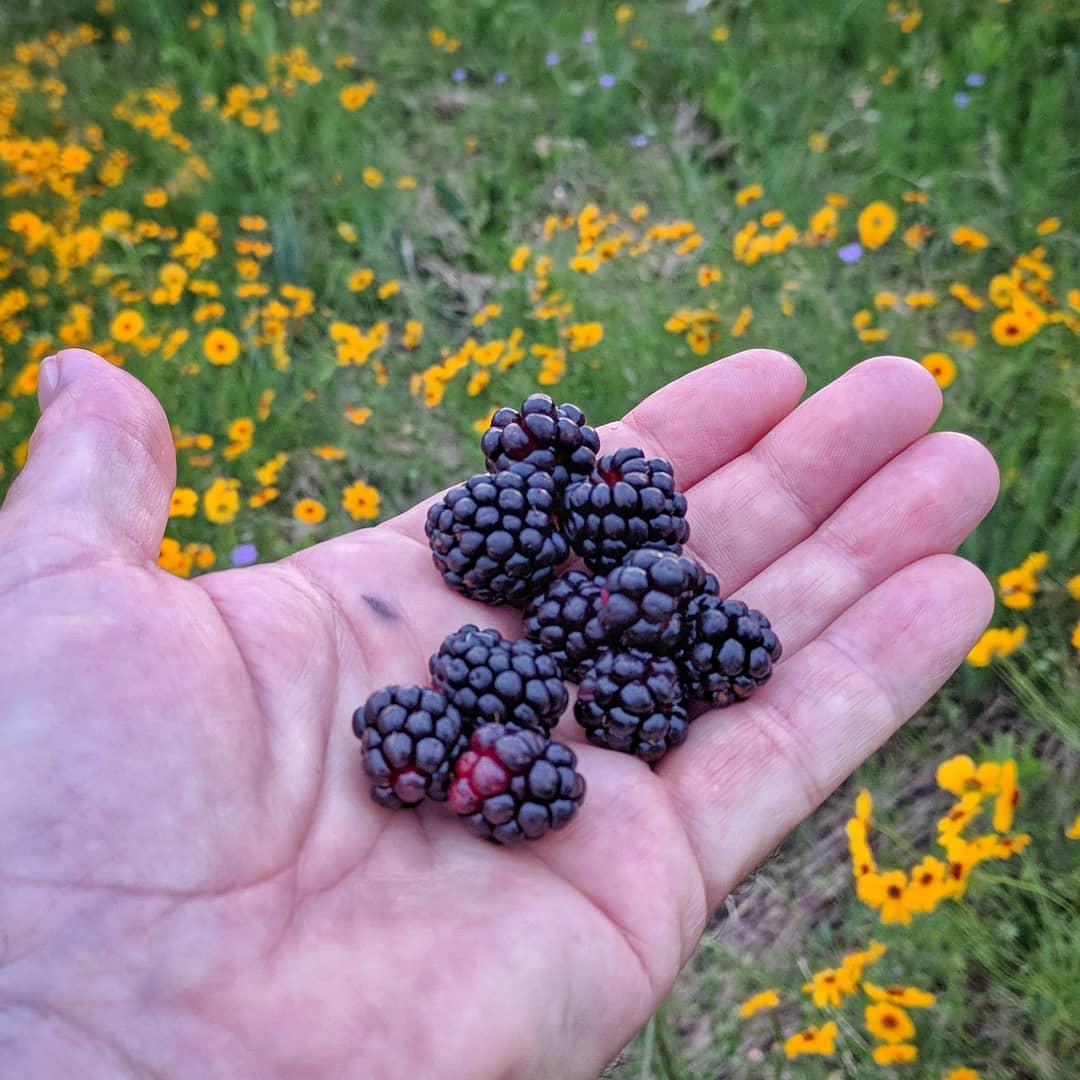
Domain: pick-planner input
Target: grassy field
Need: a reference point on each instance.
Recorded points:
(333, 237)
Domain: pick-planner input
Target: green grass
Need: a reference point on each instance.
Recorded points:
(688, 122)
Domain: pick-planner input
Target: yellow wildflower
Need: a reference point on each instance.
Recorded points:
(968, 239)
(1008, 798)
(886, 893)
(995, 643)
(127, 325)
(221, 501)
(895, 1053)
(925, 298)
(221, 346)
(927, 885)
(520, 258)
(766, 999)
(173, 559)
(876, 224)
(888, 1022)
(829, 986)
(742, 321)
(184, 502)
(360, 501)
(910, 997)
(583, 335)
(1013, 327)
(960, 816)
(357, 95)
(309, 510)
(941, 366)
(966, 296)
(812, 1040)
(748, 194)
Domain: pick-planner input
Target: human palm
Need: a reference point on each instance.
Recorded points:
(194, 878)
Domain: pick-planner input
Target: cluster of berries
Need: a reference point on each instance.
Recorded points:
(644, 634)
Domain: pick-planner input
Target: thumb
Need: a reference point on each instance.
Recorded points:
(100, 470)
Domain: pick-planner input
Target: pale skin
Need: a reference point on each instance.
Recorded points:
(193, 879)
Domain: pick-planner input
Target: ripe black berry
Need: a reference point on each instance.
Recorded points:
(515, 784)
(553, 438)
(495, 537)
(644, 599)
(628, 502)
(410, 735)
(633, 702)
(564, 621)
(729, 652)
(490, 679)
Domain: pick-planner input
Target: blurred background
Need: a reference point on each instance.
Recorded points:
(334, 236)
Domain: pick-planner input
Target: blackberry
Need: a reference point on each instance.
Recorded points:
(552, 438)
(627, 502)
(730, 650)
(644, 599)
(490, 679)
(633, 702)
(563, 621)
(410, 735)
(515, 784)
(495, 537)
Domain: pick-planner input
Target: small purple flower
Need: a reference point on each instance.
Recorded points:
(588, 36)
(976, 78)
(607, 80)
(552, 59)
(499, 78)
(850, 253)
(458, 75)
(244, 555)
(639, 140)
(961, 99)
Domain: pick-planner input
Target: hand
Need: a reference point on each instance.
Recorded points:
(193, 878)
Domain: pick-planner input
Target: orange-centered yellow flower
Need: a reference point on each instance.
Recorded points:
(876, 224)
(309, 510)
(812, 1040)
(888, 1022)
(221, 346)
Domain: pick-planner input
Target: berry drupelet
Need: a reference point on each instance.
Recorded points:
(552, 438)
(410, 736)
(632, 701)
(514, 784)
(729, 652)
(627, 502)
(488, 678)
(564, 621)
(644, 599)
(496, 538)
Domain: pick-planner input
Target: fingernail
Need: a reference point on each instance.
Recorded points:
(48, 381)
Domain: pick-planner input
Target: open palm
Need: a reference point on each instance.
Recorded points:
(193, 879)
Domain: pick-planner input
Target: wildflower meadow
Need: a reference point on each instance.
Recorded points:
(334, 237)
